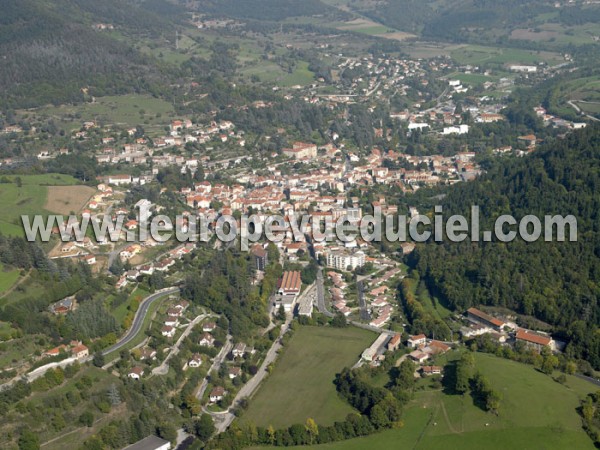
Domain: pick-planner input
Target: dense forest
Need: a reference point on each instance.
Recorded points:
(50, 50)
(225, 287)
(556, 282)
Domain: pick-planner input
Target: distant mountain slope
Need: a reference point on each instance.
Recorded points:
(473, 20)
(556, 282)
(50, 50)
(266, 10)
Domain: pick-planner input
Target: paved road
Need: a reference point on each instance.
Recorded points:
(321, 295)
(579, 111)
(364, 312)
(163, 369)
(138, 320)
(223, 419)
(595, 381)
(215, 365)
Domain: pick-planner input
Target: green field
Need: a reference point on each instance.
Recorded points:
(28, 199)
(272, 73)
(476, 55)
(125, 110)
(8, 277)
(301, 385)
(536, 413)
(301, 75)
(472, 79)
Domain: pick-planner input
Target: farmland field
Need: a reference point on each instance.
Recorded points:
(301, 385)
(476, 54)
(371, 28)
(67, 199)
(28, 199)
(127, 110)
(535, 413)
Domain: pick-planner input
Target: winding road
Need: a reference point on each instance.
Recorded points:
(138, 320)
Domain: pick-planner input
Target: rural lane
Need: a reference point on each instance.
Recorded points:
(223, 419)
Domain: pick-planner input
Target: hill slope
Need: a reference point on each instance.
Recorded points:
(556, 282)
(50, 50)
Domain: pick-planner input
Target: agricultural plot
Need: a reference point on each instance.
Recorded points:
(67, 199)
(535, 412)
(28, 198)
(479, 55)
(301, 385)
(125, 110)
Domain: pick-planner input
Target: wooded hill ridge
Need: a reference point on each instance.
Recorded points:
(557, 282)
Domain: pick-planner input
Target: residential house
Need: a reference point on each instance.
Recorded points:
(196, 360)
(172, 322)
(216, 394)
(174, 312)
(209, 327)
(80, 351)
(431, 370)
(239, 350)
(90, 259)
(417, 340)
(147, 353)
(136, 373)
(394, 342)
(234, 372)
(418, 356)
(168, 331)
(207, 340)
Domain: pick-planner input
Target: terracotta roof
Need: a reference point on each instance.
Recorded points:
(534, 338)
(291, 281)
(417, 337)
(394, 340)
(486, 317)
(79, 348)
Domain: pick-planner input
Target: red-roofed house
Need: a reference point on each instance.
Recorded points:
(80, 351)
(415, 341)
(394, 342)
(534, 340)
(474, 315)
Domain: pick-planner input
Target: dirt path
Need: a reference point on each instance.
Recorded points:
(14, 286)
(450, 426)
